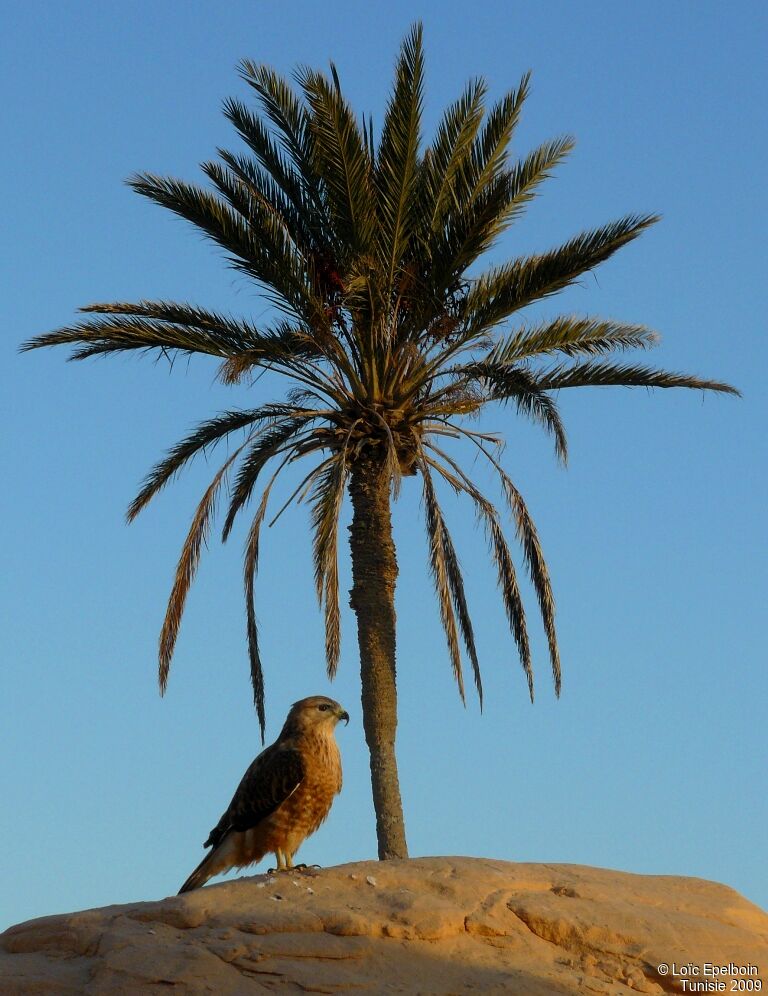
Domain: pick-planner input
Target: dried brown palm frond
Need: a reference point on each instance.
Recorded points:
(327, 498)
(502, 557)
(438, 555)
(187, 567)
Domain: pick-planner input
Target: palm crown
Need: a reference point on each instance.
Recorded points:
(364, 245)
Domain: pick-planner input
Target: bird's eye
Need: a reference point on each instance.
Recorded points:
(323, 707)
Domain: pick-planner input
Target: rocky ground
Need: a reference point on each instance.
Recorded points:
(424, 926)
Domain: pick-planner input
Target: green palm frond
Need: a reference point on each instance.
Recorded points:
(506, 289)
(462, 162)
(530, 400)
(473, 230)
(171, 329)
(572, 336)
(341, 157)
(292, 176)
(236, 333)
(292, 121)
(205, 436)
(465, 235)
(445, 160)
(490, 153)
(255, 243)
(522, 387)
(266, 445)
(396, 168)
(531, 172)
(595, 374)
(288, 209)
(272, 225)
(270, 157)
(139, 329)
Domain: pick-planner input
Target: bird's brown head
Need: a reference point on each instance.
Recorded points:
(316, 714)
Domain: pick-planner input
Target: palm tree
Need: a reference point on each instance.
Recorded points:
(364, 245)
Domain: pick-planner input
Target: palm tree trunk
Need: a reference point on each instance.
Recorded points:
(374, 574)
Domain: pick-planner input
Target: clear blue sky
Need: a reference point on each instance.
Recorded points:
(654, 758)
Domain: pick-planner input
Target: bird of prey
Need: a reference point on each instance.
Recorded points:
(283, 797)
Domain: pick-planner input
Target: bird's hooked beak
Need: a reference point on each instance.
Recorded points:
(345, 716)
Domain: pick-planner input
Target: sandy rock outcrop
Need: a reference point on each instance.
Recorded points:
(424, 926)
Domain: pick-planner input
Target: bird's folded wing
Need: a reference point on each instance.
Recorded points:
(272, 777)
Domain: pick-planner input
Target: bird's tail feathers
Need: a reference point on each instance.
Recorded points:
(234, 850)
(205, 870)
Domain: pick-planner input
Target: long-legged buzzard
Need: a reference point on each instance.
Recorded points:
(284, 795)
